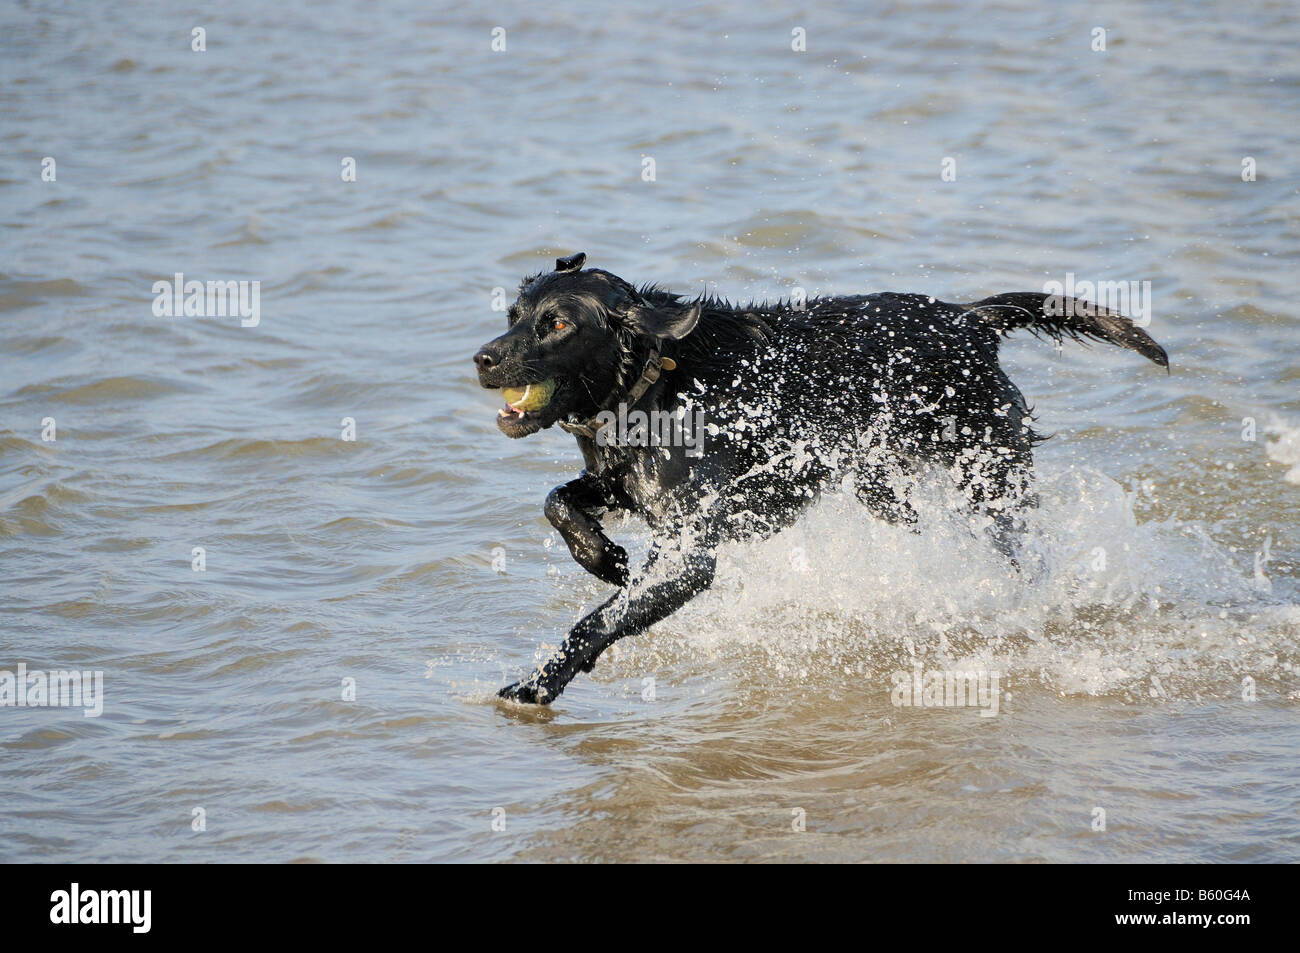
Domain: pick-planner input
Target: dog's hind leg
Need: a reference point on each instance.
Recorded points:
(627, 613)
(568, 509)
(996, 483)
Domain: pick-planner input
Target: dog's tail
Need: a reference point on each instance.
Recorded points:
(1060, 317)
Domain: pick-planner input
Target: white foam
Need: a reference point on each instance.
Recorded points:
(1102, 603)
(1286, 448)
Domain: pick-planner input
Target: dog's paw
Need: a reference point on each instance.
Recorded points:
(614, 566)
(527, 692)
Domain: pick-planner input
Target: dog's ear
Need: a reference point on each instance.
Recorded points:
(572, 263)
(670, 322)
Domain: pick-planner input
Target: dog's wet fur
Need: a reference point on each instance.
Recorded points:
(796, 397)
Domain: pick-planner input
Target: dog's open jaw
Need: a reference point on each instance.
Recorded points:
(521, 400)
(528, 408)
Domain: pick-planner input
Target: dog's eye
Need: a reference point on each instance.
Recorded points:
(559, 324)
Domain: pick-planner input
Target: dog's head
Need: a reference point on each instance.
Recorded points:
(577, 339)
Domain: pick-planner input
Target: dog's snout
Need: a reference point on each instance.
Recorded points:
(485, 360)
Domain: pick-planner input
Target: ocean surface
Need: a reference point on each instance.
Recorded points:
(304, 558)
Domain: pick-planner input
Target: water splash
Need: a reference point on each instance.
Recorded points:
(1286, 448)
(1102, 604)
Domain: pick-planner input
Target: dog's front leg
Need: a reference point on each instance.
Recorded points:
(568, 508)
(627, 613)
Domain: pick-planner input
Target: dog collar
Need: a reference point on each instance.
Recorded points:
(653, 365)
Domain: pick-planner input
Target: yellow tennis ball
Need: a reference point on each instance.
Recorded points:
(532, 397)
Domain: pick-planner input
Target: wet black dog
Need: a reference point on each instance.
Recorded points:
(715, 421)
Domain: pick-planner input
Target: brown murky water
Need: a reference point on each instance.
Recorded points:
(758, 722)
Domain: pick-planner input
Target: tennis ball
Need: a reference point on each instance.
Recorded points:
(531, 397)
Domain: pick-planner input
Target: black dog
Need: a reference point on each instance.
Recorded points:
(793, 396)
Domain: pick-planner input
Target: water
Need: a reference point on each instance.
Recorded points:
(372, 559)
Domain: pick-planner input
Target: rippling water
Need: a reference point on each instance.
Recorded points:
(373, 559)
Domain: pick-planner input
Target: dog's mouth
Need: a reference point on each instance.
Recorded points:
(528, 408)
(528, 399)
